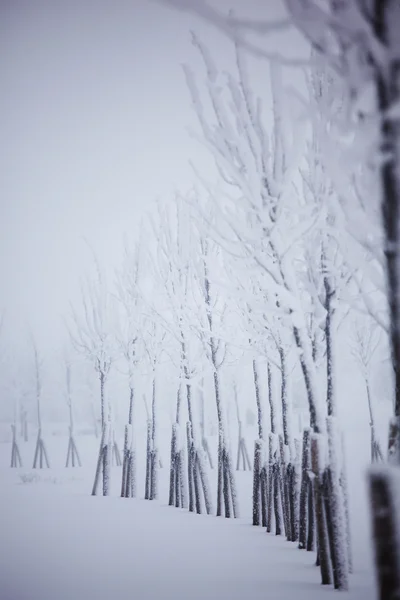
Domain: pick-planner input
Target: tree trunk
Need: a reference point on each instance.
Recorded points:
(190, 467)
(256, 483)
(107, 461)
(330, 395)
(102, 400)
(277, 505)
(310, 517)
(204, 482)
(131, 404)
(270, 494)
(148, 462)
(384, 483)
(375, 449)
(153, 415)
(337, 511)
(226, 487)
(154, 476)
(128, 462)
(386, 22)
(258, 402)
(271, 399)
(100, 461)
(323, 542)
(317, 421)
(173, 468)
(286, 416)
(305, 468)
(178, 403)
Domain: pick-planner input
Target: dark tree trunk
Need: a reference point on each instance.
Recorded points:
(305, 468)
(323, 542)
(270, 495)
(258, 402)
(256, 483)
(220, 475)
(385, 21)
(310, 518)
(178, 475)
(263, 491)
(125, 464)
(148, 462)
(131, 403)
(384, 485)
(190, 467)
(154, 480)
(284, 488)
(336, 511)
(128, 462)
(271, 399)
(277, 507)
(106, 465)
(153, 414)
(172, 469)
(284, 398)
(294, 501)
(100, 459)
(196, 480)
(329, 296)
(102, 399)
(226, 488)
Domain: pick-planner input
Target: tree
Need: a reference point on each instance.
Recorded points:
(41, 458)
(130, 341)
(216, 350)
(72, 453)
(359, 40)
(367, 339)
(93, 337)
(268, 223)
(154, 336)
(174, 278)
(15, 390)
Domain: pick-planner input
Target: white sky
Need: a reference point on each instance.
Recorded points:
(93, 118)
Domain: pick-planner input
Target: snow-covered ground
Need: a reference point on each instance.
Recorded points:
(59, 543)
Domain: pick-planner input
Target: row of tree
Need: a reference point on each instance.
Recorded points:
(268, 261)
(356, 140)
(262, 264)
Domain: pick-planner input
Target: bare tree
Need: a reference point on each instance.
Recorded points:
(130, 340)
(359, 40)
(367, 340)
(216, 351)
(41, 458)
(15, 390)
(267, 229)
(173, 273)
(242, 453)
(73, 457)
(93, 337)
(154, 336)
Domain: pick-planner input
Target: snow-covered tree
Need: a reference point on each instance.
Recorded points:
(73, 457)
(92, 334)
(268, 221)
(367, 340)
(173, 271)
(41, 458)
(130, 339)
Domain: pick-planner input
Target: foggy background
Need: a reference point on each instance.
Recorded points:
(94, 114)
